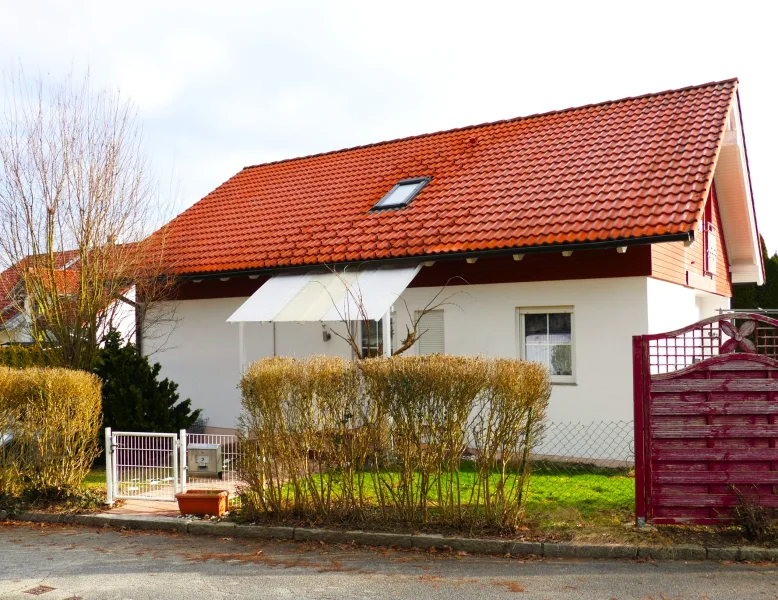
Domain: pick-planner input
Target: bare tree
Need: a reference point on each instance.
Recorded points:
(354, 312)
(77, 201)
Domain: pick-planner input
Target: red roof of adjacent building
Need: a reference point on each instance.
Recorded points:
(620, 170)
(64, 281)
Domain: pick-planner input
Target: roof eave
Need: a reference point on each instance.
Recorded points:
(593, 245)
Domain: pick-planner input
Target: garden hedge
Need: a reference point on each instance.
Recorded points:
(49, 425)
(386, 438)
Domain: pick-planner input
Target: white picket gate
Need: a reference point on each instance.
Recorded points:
(153, 466)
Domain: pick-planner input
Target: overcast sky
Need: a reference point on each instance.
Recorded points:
(222, 85)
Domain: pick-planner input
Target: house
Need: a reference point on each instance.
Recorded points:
(60, 276)
(554, 237)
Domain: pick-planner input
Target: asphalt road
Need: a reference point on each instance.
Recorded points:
(89, 563)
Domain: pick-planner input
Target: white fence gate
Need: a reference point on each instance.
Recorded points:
(144, 465)
(153, 466)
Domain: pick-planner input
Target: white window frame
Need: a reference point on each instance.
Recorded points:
(544, 310)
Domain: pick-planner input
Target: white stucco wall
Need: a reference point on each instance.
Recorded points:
(201, 354)
(672, 306)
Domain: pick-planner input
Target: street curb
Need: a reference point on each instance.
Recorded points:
(421, 541)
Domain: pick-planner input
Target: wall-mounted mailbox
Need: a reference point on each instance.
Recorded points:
(204, 460)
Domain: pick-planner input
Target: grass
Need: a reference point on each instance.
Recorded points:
(95, 479)
(560, 496)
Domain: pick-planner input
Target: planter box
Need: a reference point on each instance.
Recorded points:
(203, 502)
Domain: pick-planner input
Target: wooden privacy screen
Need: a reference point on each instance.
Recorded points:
(705, 419)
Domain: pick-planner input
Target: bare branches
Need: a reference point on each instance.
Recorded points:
(77, 199)
(353, 312)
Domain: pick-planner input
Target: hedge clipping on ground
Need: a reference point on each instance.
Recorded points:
(49, 424)
(388, 438)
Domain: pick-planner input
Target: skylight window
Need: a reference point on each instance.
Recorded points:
(402, 193)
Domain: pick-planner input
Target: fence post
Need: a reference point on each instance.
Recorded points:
(183, 469)
(638, 367)
(108, 467)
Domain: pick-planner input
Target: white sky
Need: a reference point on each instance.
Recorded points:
(222, 85)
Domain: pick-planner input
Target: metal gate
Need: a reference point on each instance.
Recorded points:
(705, 419)
(144, 465)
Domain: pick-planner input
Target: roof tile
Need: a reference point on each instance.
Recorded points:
(630, 168)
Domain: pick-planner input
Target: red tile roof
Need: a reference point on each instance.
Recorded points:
(11, 276)
(619, 170)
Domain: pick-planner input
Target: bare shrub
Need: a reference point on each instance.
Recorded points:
(506, 425)
(49, 422)
(755, 519)
(326, 438)
(427, 400)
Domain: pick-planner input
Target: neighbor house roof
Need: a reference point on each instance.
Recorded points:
(64, 279)
(622, 170)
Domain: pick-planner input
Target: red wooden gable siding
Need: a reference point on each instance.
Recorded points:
(708, 430)
(670, 261)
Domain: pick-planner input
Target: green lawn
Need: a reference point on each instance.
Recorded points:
(95, 479)
(560, 495)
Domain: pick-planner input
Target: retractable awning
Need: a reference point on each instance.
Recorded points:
(326, 296)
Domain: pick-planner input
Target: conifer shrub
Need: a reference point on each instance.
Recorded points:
(21, 357)
(134, 398)
(387, 438)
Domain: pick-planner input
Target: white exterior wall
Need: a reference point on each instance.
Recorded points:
(202, 354)
(672, 306)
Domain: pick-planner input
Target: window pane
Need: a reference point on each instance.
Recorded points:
(372, 335)
(537, 354)
(398, 195)
(560, 328)
(535, 329)
(561, 359)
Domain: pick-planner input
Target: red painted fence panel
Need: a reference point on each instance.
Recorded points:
(705, 419)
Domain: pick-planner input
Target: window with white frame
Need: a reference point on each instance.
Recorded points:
(430, 328)
(372, 338)
(546, 336)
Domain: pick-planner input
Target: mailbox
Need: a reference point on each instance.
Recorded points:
(204, 460)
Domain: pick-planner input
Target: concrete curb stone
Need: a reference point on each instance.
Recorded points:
(757, 554)
(39, 517)
(222, 528)
(524, 548)
(727, 553)
(425, 541)
(564, 550)
(92, 520)
(421, 541)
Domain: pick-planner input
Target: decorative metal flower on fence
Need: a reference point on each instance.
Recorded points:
(738, 337)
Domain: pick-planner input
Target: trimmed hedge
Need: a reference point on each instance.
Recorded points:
(330, 439)
(49, 425)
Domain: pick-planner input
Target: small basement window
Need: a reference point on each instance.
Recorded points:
(402, 193)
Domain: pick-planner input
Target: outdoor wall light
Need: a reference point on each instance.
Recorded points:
(325, 333)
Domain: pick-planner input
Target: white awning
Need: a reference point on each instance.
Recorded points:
(326, 296)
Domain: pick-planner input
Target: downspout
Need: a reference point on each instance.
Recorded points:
(274, 338)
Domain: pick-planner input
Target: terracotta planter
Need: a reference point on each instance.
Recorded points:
(203, 502)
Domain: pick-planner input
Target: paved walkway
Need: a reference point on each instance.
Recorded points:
(150, 508)
(61, 562)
